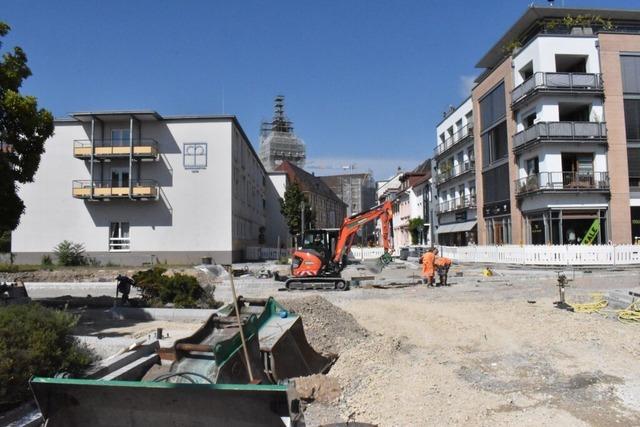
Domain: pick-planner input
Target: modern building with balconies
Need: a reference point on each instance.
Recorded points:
(454, 185)
(556, 131)
(135, 186)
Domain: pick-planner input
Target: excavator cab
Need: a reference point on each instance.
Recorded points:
(322, 241)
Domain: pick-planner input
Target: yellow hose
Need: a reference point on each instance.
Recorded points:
(630, 314)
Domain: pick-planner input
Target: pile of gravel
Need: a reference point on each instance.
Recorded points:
(328, 328)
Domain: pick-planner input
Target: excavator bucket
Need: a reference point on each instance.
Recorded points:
(208, 382)
(75, 402)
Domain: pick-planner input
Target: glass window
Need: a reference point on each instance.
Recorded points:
(632, 119)
(532, 166)
(120, 137)
(119, 240)
(493, 107)
(195, 155)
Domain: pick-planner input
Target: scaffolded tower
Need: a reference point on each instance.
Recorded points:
(278, 142)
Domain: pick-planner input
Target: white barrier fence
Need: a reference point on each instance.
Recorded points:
(258, 254)
(545, 255)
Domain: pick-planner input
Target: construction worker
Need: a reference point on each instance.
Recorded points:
(428, 265)
(124, 287)
(442, 265)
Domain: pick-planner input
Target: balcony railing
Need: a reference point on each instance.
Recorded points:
(107, 148)
(563, 181)
(461, 135)
(468, 201)
(455, 171)
(119, 244)
(562, 131)
(568, 82)
(142, 189)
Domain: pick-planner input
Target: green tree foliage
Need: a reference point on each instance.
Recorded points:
(414, 227)
(158, 289)
(70, 254)
(23, 131)
(291, 209)
(35, 341)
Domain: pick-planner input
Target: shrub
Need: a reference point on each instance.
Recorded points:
(158, 289)
(35, 341)
(5, 241)
(70, 254)
(46, 261)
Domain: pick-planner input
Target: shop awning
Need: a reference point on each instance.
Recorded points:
(456, 228)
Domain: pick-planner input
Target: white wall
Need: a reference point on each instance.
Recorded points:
(197, 209)
(451, 120)
(543, 49)
(550, 156)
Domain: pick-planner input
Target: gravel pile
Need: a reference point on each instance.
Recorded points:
(328, 328)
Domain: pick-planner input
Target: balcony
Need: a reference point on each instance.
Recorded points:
(455, 171)
(595, 182)
(560, 132)
(145, 148)
(460, 136)
(574, 83)
(105, 190)
(458, 203)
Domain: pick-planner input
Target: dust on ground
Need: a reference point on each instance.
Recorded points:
(485, 351)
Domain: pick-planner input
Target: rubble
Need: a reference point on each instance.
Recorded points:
(329, 329)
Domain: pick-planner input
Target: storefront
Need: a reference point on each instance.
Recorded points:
(457, 234)
(566, 227)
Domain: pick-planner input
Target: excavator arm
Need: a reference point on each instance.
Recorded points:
(351, 225)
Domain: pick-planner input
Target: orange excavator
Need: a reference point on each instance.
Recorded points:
(323, 253)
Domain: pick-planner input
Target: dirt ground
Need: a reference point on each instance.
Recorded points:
(487, 352)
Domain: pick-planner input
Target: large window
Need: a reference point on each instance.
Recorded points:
(120, 137)
(494, 144)
(632, 119)
(495, 184)
(630, 73)
(492, 107)
(119, 240)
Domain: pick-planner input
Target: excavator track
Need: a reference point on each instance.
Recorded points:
(317, 283)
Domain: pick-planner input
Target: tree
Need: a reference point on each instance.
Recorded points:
(23, 130)
(415, 228)
(291, 209)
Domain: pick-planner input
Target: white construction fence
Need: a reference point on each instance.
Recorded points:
(545, 255)
(263, 254)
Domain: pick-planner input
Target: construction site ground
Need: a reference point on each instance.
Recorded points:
(483, 351)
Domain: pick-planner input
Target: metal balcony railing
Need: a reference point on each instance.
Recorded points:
(454, 171)
(119, 244)
(140, 189)
(468, 201)
(562, 131)
(104, 148)
(459, 136)
(579, 82)
(563, 181)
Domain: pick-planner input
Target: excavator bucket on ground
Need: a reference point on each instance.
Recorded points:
(74, 402)
(207, 382)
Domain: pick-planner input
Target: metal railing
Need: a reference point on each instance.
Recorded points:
(137, 142)
(455, 171)
(563, 131)
(563, 181)
(468, 201)
(145, 188)
(144, 147)
(557, 81)
(459, 136)
(119, 244)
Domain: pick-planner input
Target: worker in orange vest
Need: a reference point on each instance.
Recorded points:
(442, 265)
(428, 260)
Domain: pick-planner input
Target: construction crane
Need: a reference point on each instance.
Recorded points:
(322, 255)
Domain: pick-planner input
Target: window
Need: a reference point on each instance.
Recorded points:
(119, 177)
(630, 65)
(633, 159)
(495, 144)
(470, 154)
(120, 137)
(532, 166)
(573, 112)
(119, 240)
(495, 184)
(632, 119)
(571, 63)
(493, 107)
(195, 155)
(527, 71)
(529, 120)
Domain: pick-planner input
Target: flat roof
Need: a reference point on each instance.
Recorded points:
(533, 14)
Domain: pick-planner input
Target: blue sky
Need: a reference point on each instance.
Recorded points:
(365, 81)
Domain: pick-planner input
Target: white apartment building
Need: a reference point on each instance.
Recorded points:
(454, 210)
(135, 185)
